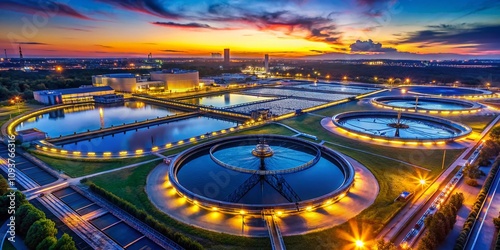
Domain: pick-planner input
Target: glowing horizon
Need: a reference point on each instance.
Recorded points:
(288, 29)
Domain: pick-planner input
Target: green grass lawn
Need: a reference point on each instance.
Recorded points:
(7, 245)
(476, 122)
(345, 107)
(77, 168)
(266, 129)
(176, 150)
(10, 111)
(129, 184)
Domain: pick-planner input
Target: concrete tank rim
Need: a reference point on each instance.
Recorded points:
(345, 167)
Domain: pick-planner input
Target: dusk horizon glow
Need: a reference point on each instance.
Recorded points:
(360, 29)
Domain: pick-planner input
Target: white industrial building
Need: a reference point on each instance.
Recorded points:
(176, 79)
(173, 80)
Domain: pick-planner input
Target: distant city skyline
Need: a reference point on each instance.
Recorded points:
(312, 29)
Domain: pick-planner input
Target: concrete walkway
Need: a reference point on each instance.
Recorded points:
(75, 181)
(360, 196)
(286, 126)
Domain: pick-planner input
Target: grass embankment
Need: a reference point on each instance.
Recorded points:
(10, 111)
(129, 185)
(82, 167)
(476, 122)
(266, 129)
(7, 245)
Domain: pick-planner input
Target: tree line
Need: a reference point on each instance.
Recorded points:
(38, 232)
(439, 224)
(19, 83)
(472, 217)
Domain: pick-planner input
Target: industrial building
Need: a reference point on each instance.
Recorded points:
(126, 82)
(29, 135)
(173, 80)
(227, 56)
(266, 63)
(106, 99)
(176, 79)
(82, 94)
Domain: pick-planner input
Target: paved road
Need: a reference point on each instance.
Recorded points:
(470, 195)
(404, 221)
(484, 234)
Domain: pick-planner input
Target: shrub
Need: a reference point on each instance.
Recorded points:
(496, 221)
(31, 217)
(441, 223)
(471, 182)
(47, 243)
(4, 185)
(497, 246)
(472, 217)
(39, 231)
(64, 243)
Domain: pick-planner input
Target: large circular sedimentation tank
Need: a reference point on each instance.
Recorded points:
(403, 127)
(447, 91)
(261, 172)
(423, 104)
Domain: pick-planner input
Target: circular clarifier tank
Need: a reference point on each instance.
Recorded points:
(447, 91)
(261, 172)
(397, 126)
(427, 104)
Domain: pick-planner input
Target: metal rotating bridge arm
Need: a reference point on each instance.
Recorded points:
(276, 181)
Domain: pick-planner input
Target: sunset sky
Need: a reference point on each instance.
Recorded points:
(333, 29)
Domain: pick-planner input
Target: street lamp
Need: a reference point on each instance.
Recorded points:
(359, 244)
(16, 101)
(422, 182)
(242, 213)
